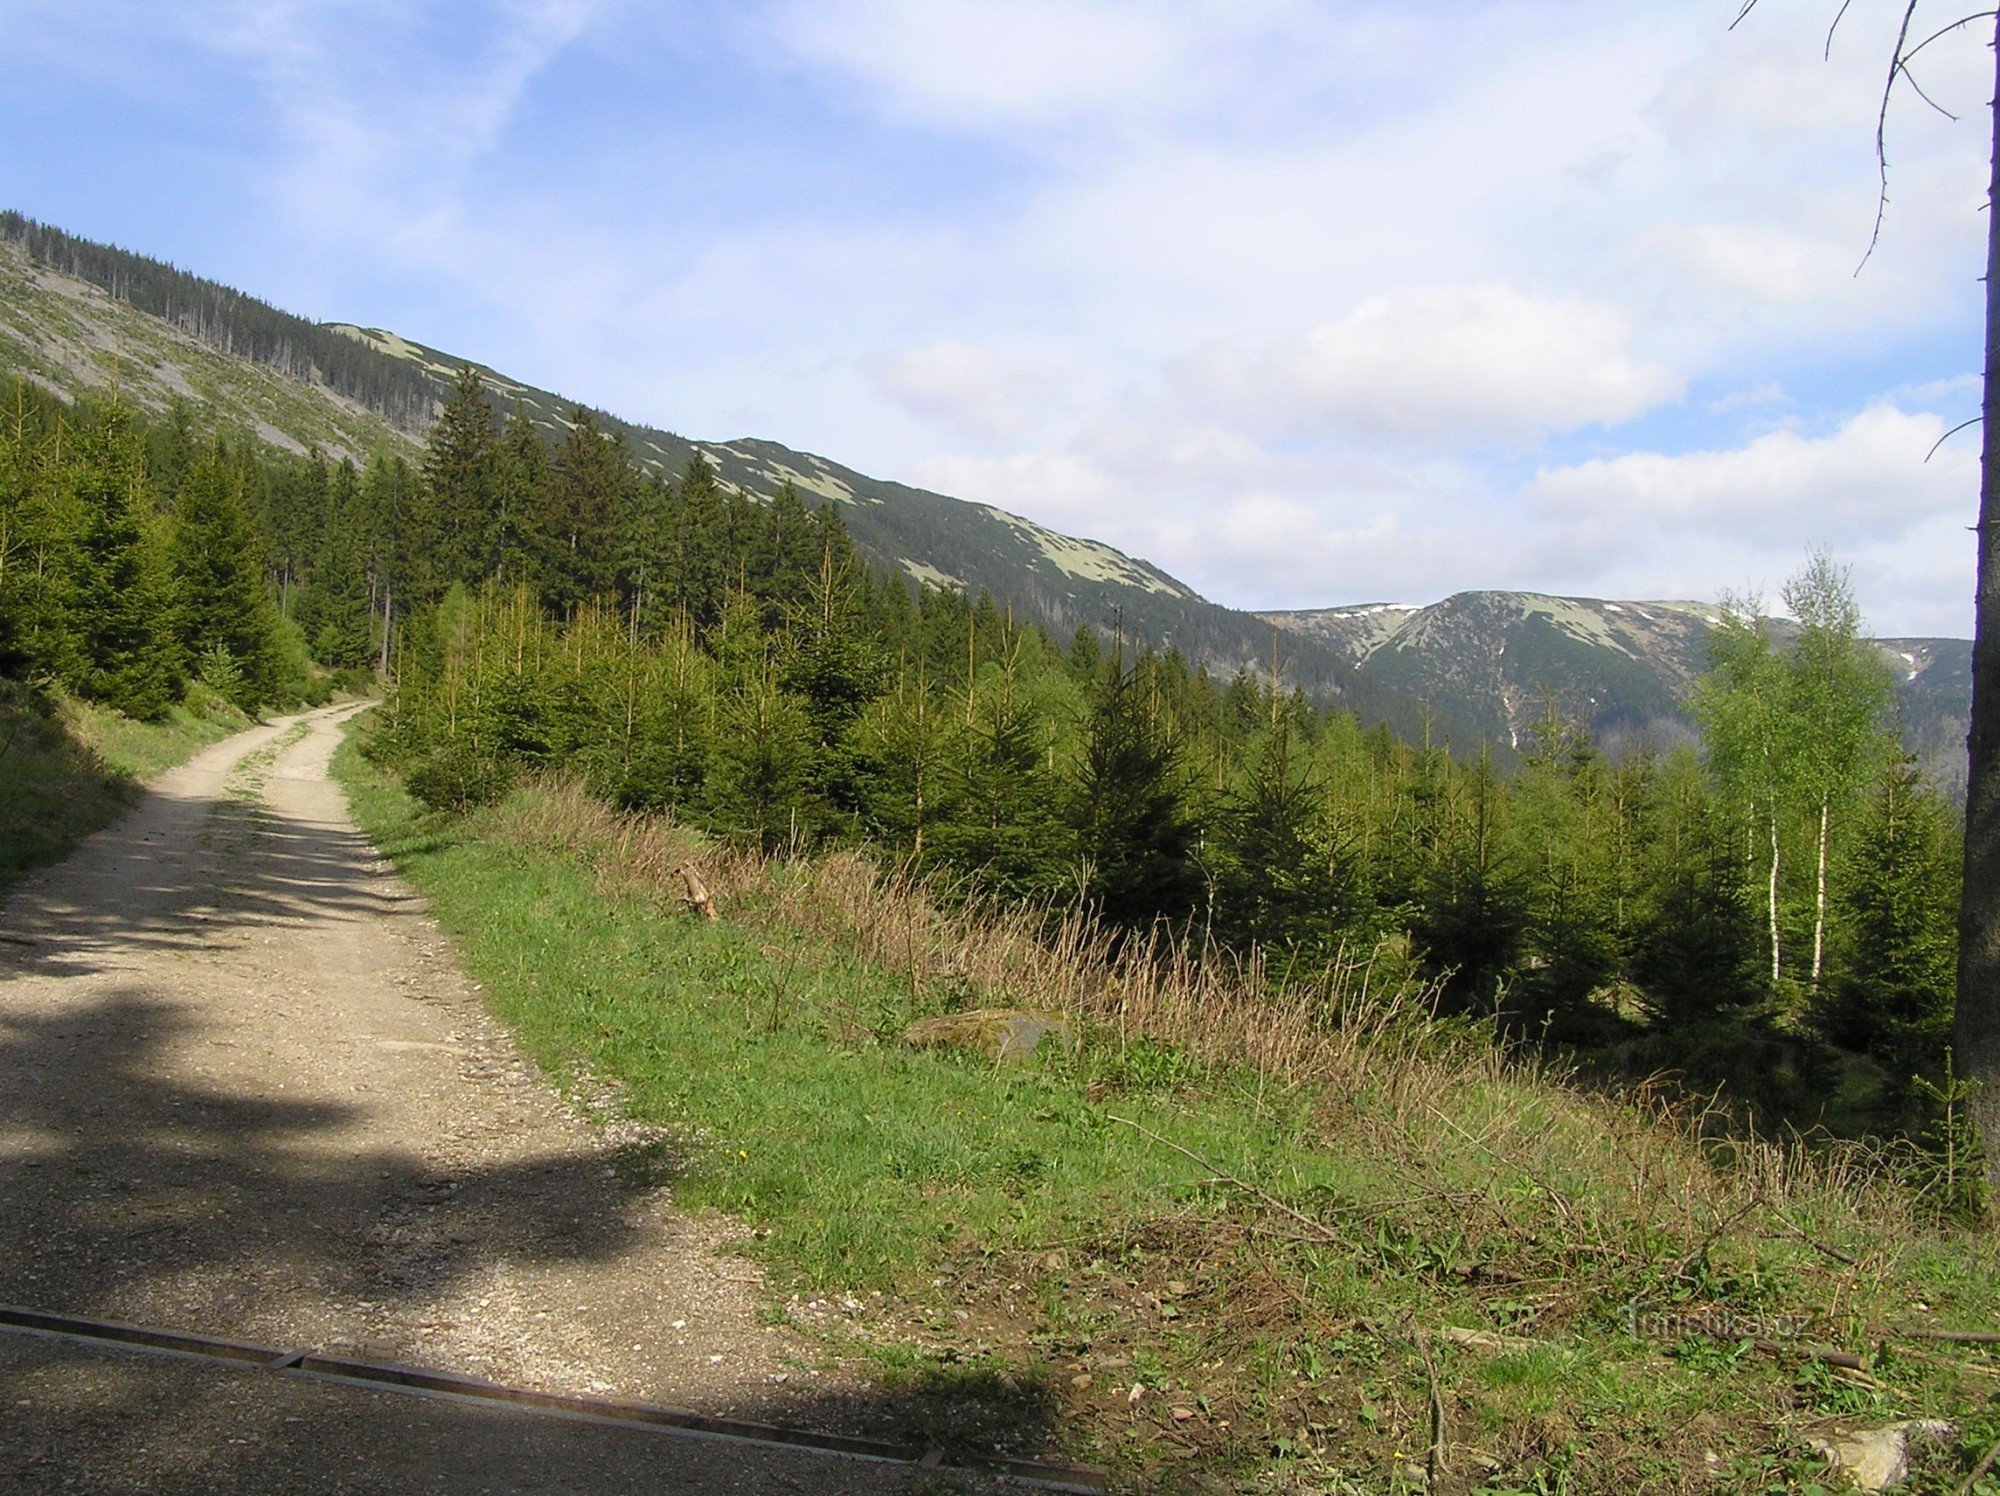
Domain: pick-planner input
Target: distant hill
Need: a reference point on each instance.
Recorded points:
(1499, 659)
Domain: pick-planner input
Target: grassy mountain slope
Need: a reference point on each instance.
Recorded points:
(1249, 1234)
(72, 337)
(1624, 667)
(1062, 581)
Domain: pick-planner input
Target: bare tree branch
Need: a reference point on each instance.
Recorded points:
(1838, 16)
(1896, 60)
(1982, 15)
(1949, 435)
(1911, 79)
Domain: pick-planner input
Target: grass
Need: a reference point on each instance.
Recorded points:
(68, 767)
(1287, 1235)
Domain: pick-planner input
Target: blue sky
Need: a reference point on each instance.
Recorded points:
(1308, 303)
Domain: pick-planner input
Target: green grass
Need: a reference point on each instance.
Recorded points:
(1037, 1257)
(68, 767)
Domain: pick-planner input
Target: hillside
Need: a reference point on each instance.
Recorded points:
(1500, 658)
(1477, 667)
(76, 316)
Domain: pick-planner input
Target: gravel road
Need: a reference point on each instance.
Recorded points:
(247, 1093)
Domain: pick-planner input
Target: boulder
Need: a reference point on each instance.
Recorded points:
(997, 1033)
(1875, 1459)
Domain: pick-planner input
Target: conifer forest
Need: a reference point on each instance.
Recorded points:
(1769, 910)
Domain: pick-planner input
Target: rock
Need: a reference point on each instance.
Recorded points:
(1875, 1459)
(997, 1033)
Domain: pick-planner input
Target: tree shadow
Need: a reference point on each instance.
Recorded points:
(143, 1178)
(121, 1185)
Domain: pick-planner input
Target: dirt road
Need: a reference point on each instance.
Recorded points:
(246, 1092)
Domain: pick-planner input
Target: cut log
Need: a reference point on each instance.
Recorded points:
(698, 898)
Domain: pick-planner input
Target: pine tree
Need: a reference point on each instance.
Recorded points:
(1470, 917)
(757, 780)
(581, 524)
(1569, 941)
(1004, 825)
(1283, 881)
(1892, 994)
(39, 528)
(228, 622)
(1132, 811)
(1697, 929)
(336, 615)
(520, 474)
(461, 480)
(130, 651)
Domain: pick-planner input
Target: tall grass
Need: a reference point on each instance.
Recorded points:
(1279, 1189)
(1643, 1169)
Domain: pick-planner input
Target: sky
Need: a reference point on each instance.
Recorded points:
(1307, 303)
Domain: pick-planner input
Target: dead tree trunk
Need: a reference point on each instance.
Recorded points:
(1976, 1029)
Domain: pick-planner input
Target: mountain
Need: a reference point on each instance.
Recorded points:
(1626, 668)
(80, 316)
(1478, 667)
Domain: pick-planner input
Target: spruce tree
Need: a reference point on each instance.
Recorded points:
(583, 505)
(337, 618)
(1892, 994)
(461, 480)
(757, 781)
(1132, 809)
(129, 647)
(1696, 944)
(520, 475)
(1005, 826)
(228, 622)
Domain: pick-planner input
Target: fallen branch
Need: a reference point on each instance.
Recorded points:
(1486, 1340)
(698, 898)
(1561, 1200)
(1813, 1242)
(1980, 1469)
(1845, 1360)
(1321, 1231)
(1722, 1224)
(1956, 1337)
(1435, 1464)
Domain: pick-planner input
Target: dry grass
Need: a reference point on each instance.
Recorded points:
(1638, 1178)
(1329, 1179)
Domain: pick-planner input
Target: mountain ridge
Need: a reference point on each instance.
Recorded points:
(1623, 667)
(1477, 667)
(73, 318)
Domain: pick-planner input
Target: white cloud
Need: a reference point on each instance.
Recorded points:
(367, 148)
(1754, 397)
(1275, 292)
(992, 62)
(1453, 363)
(964, 388)
(1866, 482)
(1760, 261)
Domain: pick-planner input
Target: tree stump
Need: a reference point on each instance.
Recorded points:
(698, 898)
